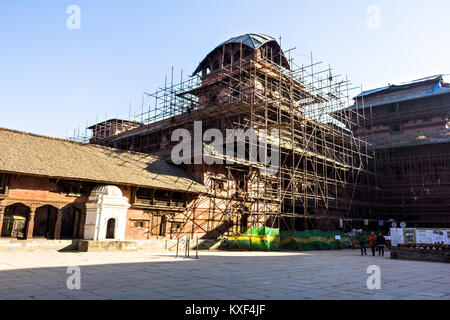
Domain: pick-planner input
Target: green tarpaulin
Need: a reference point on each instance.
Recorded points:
(259, 239)
(313, 240)
(264, 238)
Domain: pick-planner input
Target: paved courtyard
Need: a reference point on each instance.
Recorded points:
(218, 275)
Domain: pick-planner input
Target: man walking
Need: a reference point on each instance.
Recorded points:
(362, 242)
(381, 242)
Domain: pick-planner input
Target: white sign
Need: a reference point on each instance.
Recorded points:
(424, 236)
(337, 237)
(397, 237)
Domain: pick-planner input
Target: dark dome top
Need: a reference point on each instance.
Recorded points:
(251, 40)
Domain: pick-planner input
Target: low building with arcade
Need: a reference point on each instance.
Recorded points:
(58, 189)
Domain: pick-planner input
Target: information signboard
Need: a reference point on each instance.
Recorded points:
(419, 236)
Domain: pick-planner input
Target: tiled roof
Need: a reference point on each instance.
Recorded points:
(25, 153)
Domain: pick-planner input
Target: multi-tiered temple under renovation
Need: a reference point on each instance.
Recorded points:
(335, 166)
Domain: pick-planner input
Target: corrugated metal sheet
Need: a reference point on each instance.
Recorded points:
(402, 86)
(413, 95)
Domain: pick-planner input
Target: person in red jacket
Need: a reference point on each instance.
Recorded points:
(372, 242)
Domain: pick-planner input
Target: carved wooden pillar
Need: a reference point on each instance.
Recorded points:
(76, 224)
(2, 214)
(58, 224)
(30, 224)
(82, 223)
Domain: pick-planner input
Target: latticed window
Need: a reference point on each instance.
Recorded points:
(144, 194)
(140, 224)
(176, 226)
(72, 188)
(4, 183)
(217, 184)
(162, 195)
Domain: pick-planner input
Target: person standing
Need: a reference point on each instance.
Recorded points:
(362, 242)
(372, 242)
(381, 242)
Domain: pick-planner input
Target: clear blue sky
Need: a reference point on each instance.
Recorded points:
(52, 79)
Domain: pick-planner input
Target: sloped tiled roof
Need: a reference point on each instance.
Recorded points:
(30, 154)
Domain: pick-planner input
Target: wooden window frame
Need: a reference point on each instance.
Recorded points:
(5, 180)
(161, 201)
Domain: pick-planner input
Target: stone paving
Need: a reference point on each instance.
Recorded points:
(218, 275)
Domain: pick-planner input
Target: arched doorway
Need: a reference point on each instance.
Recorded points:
(110, 228)
(44, 222)
(69, 223)
(15, 221)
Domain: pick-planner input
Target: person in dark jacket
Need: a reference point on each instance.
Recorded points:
(372, 242)
(381, 242)
(362, 242)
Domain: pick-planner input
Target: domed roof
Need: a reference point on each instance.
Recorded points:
(107, 191)
(251, 40)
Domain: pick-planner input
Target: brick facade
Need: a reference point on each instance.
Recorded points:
(33, 197)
